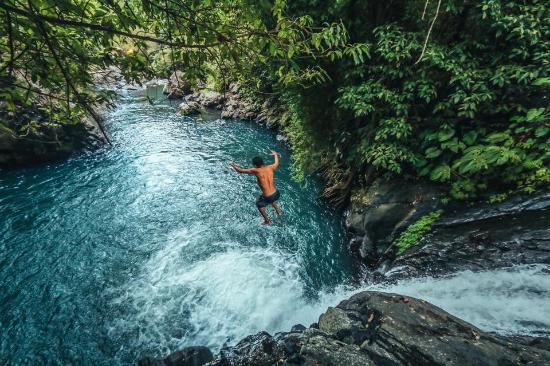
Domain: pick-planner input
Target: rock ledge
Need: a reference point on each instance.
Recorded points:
(375, 328)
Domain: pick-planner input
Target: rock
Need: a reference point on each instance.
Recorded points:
(189, 356)
(379, 329)
(323, 350)
(46, 140)
(239, 107)
(482, 237)
(210, 99)
(379, 214)
(298, 328)
(188, 108)
(177, 86)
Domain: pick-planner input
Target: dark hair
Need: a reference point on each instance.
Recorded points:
(257, 161)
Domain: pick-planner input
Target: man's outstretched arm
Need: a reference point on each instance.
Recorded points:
(238, 169)
(275, 165)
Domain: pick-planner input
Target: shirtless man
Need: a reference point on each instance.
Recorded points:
(264, 175)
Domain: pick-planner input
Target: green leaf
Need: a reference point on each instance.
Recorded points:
(432, 152)
(542, 82)
(534, 114)
(542, 131)
(445, 135)
(470, 138)
(441, 174)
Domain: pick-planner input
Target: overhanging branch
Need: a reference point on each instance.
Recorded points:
(76, 24)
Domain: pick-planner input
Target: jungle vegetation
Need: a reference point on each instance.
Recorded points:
(451, 91)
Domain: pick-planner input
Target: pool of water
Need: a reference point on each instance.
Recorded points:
(155, 244)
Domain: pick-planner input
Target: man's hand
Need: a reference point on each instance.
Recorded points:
(275, 165)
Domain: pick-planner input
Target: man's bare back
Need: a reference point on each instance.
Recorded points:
(265, 178)
(266, 181)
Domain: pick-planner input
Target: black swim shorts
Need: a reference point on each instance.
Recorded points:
(264, 201)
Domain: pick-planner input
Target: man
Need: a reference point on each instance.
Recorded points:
(265, 177)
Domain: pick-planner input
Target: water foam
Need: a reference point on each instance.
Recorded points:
(513, 300)
(233, 292)
(238, 291)
(508, 301)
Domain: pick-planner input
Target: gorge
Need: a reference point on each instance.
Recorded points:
(153, 246)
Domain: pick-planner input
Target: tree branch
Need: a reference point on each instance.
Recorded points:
(68, 80)
(10, 42)
(75, 24)
(429, 32)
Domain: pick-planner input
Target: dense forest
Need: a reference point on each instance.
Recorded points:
(452, 91)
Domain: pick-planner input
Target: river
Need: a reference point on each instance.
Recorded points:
(154, 244)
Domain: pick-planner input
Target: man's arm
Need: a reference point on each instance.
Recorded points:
(275, 165)
(238, 169)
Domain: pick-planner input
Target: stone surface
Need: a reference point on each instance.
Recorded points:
(380, 329)
(45, 141)
(379, 214)
(188, 108)
(238, 107)
(189, 356)
(177, 86)
(484, 236)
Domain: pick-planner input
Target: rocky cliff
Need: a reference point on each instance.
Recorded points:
(232, 103)
(29, 136)
(483, 236)
(373, 328)
(466, 236)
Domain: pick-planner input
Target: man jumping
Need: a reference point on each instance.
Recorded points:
(265, 177)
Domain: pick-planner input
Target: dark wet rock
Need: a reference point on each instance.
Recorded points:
(177, 86)
(374, 328)
(298, 328)
(189, 356)
(380, 213)
(43, 140)
(537, 342)
(481, 237)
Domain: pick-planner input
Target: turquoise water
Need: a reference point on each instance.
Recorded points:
(155, 244)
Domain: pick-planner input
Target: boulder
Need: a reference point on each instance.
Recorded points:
(210, 99)
(189, 356)
(377, 215)
(177, 86)
(239, 107)
(188, 108)
(380, 329)
(31, 137)
(484, 236)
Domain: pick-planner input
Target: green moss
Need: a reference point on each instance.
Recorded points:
(414, 232)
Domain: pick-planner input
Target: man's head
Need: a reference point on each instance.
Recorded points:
(257, 162)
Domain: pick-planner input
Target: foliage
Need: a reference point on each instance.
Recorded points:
(363, 97)
(55, 48)
(471, 114)
(412, 235)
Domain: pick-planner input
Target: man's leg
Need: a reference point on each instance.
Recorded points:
(260, 203)
(277, 209)
(264, 215)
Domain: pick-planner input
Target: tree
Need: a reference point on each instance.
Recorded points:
(53, 47)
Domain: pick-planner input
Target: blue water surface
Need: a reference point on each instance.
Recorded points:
(154, 244)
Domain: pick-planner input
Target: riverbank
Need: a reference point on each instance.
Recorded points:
(31, 136)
